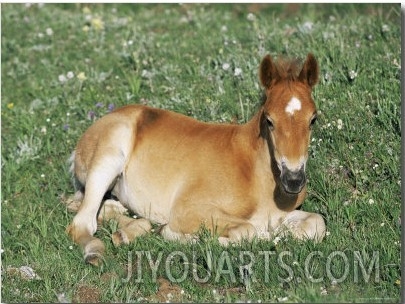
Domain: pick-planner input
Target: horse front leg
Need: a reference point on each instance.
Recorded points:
(186, 219)
(304, 225)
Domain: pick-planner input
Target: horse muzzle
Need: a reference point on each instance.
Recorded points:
(293, 181)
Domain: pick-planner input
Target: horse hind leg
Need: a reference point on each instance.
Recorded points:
(128, 228)
(130, 231)
(73, 202)
(98, 181)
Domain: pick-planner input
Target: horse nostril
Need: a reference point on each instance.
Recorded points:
(293, 181)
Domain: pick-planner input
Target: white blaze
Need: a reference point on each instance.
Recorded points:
(293, 105)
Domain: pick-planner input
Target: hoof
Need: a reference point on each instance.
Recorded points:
(93, 252)
(94, 259)
(119, 237)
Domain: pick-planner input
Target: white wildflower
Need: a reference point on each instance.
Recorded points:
(328, 76)
(276, 240)
(352, 74)
(238, 72)
(146, 74)
(284, 299)
(62, 298)
(251, 17)
(49, 31)
(385, 28)
(62, 78)
(306, 27)
(339, 124)
(225, 66)
(70, 75)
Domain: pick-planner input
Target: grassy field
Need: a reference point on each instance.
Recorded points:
(64, 66)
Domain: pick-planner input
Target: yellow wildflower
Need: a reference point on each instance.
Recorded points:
(86, 10)
(97, 23)
(85, 28)
(81, 76)
(10, 105)
(398, 282)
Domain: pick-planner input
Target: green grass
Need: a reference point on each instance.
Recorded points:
(176, 57)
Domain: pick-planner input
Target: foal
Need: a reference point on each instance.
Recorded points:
(239, 181)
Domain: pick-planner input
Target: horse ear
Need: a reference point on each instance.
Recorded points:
(267, 71)
(310, 71)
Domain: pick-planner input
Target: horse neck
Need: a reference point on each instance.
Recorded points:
(254, 128)
(259, 139)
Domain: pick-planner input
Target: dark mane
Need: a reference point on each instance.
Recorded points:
(288, 69)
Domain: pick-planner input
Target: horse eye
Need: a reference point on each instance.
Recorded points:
(270, 123)
(313, 120)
